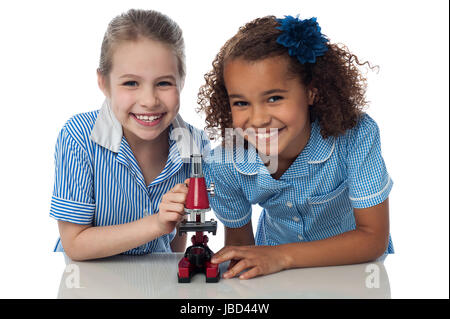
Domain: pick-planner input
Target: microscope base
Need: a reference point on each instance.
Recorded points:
(186, 271)
(197, 259)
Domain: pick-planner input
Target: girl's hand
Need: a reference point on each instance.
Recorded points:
(171, 208)
(258, 260)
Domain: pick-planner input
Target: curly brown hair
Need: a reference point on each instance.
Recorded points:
(340, 85)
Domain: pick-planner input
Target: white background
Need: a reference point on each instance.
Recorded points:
(48, 57)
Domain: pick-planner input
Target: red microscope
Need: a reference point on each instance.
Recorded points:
(197, 258)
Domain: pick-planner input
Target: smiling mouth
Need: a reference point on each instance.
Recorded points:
(149, 119)
(267, 135)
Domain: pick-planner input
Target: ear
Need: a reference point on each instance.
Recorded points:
(312, 93)
(103, 84)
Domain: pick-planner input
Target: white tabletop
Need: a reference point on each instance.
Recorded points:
(155, 276)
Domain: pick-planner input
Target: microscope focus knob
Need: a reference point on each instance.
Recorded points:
(211, 189)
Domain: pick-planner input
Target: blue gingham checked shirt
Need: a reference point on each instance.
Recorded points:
(98, 181)
(315, 197)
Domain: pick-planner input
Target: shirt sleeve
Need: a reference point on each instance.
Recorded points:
(368, 180)
(72, 199)
(229, 203)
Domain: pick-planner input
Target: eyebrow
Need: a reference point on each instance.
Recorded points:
(129, 76)
(268, 92)
(167, 77)
(139, 77)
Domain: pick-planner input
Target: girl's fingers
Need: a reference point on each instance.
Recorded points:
(227, 253)
(180, 188)
(251, 273)
(174, 197)
(173, 207)
(242, 265)
(232, 263)
(173, 216)
(220, 252)
(217, 258)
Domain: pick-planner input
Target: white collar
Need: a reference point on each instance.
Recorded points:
(107, 132)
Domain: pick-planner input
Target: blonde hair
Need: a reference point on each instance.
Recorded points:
(149, 24)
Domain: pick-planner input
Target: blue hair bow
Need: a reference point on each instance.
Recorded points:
(303, 38)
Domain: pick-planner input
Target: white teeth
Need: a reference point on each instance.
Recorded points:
(148, 118)
(267, 135)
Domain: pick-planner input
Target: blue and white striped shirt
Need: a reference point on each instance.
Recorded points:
(98, 181)
(314, 199)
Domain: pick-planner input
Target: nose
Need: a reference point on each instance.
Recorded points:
(149, 98)
(260, 118)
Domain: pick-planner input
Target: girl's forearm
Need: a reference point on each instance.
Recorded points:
(242, 236)
(104, 241)
(352, 247)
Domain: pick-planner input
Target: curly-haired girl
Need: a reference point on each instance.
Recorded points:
(311, 158)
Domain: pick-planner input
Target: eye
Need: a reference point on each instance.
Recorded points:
(130, 83)
(274, 99)
(240, 103)
(164, 83)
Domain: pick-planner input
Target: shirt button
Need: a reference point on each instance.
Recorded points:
(300, 237)
(296, 219)
(289, 204)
